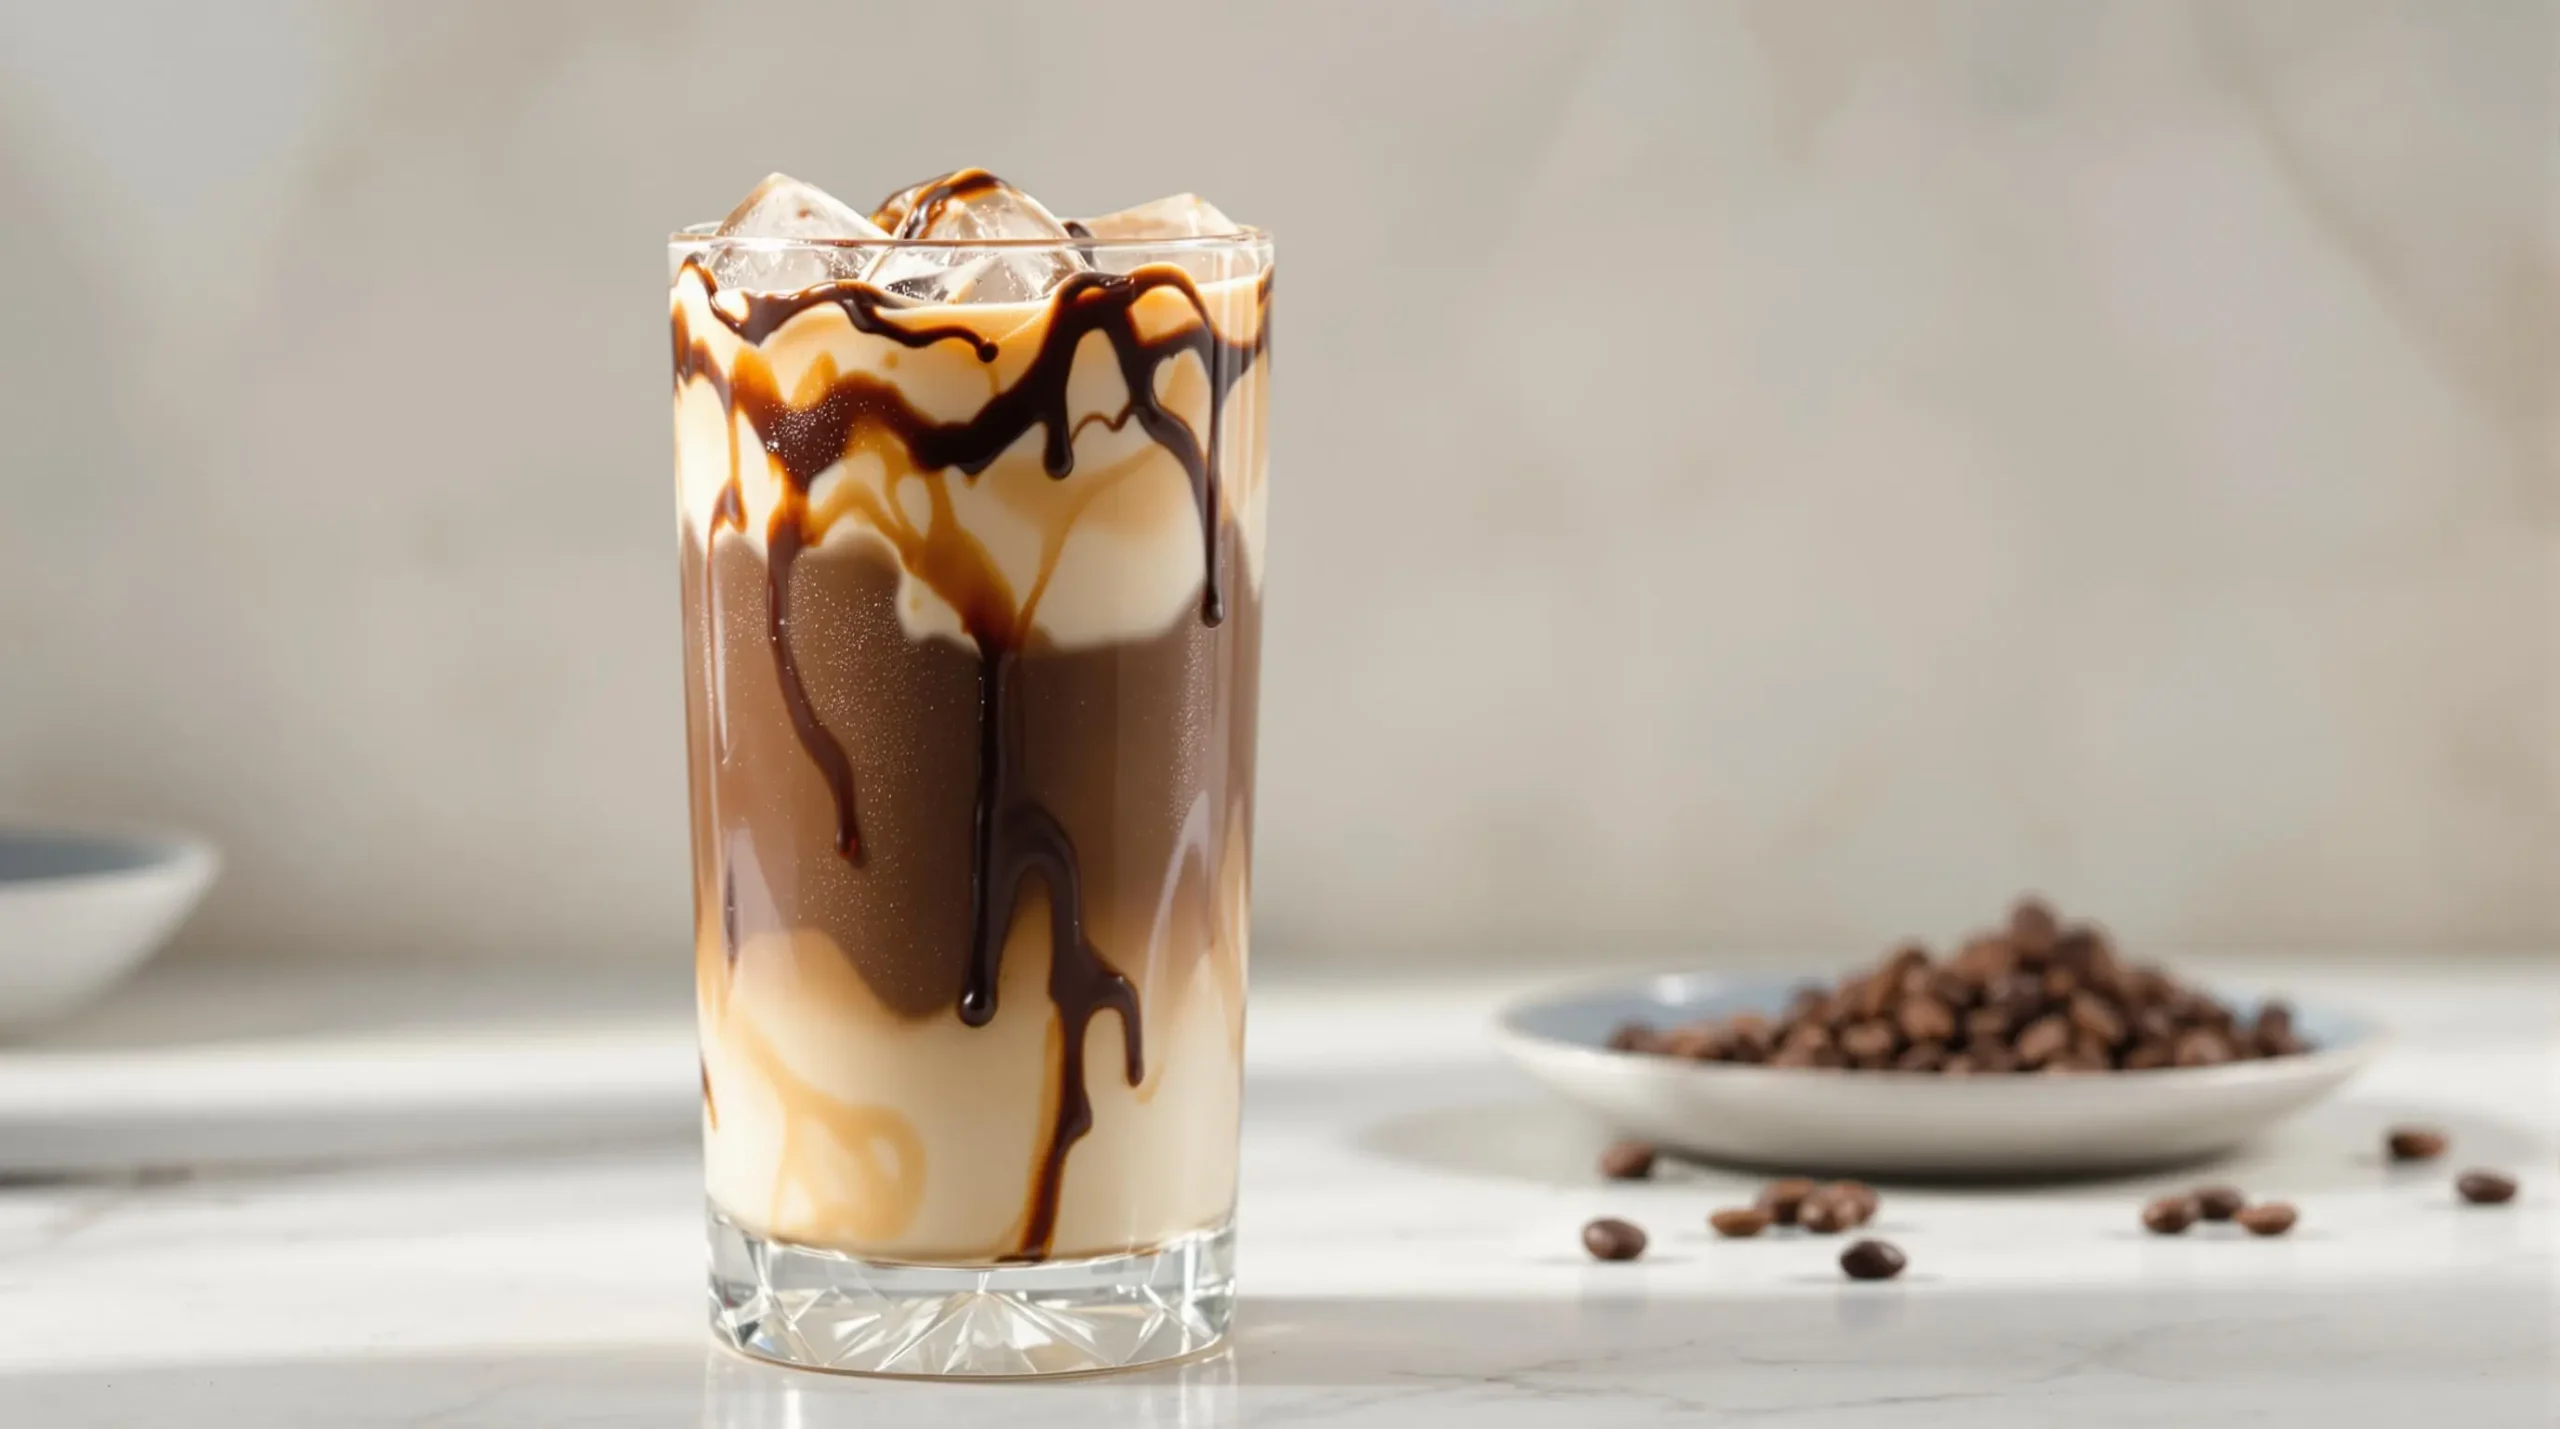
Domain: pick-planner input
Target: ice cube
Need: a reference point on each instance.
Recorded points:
(1175, 217)
(784, 207)
(972, 206)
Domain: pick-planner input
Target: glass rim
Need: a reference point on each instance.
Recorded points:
(704, 236)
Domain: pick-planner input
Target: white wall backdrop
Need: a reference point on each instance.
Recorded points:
(1754, 473)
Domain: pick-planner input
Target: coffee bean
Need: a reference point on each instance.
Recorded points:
(2144, 1056)
(2485, 1188)
(1922, 1057)
(1627, 1161)
(2154, 1023)
(1696, 1044)
(1985, 960)
(1911, 954)
(1862, 1198)
(2415, 1143)
(1807, 1003)
(2266, 1218)
(1752, 1030)
(2201, 1047)
(1992, 1057)
(1868, 1041)
(1806, 1038)
(2032, 924)
(1827, 1212)
(1783, 1199)
(1987, 1024)
(2096, 1019)
(2021, 995)
(2279, 1044)
(2219, 1203)
(1872, 1260)
(1612, 1239)
(2170, 1215)
(2043, 1040)
(1925, 1019)
(1740, 1221)
(1954, 989)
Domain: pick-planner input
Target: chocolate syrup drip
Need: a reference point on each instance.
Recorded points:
(783, 542)
(1015, 835)
(913, 211)
(728, 509)
(1018, 837)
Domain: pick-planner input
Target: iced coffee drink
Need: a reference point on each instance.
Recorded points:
(972, 510)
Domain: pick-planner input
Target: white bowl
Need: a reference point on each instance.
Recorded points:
(81, 910)
(1905, 1123)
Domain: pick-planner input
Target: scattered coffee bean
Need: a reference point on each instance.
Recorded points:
(1740, 1221)
(1627, 1161)
(1827, 1212)
(2415, 1143)
(1783, 1199)
(2266, 1218)
(2219, 1203)
(1862, 1198)
(1872, 1260)
(2170, 1215)
(2485, 1188)
(1611, 1239)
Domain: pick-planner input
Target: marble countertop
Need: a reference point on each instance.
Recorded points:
(1409, 1256)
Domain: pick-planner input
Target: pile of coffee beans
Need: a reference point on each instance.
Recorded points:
(2040, 995)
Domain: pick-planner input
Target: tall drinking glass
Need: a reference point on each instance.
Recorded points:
(972, 630)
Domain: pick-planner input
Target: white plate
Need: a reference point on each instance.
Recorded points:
(80, 910)
(1905, 1123)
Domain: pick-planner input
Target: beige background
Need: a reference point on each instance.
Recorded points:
(1768, 473)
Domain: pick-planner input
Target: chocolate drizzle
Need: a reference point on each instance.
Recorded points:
(913, 211)
(1016, 837)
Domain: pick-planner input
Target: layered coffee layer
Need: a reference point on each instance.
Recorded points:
(972, 601)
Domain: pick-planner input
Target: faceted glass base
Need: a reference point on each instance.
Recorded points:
(824, 1309)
